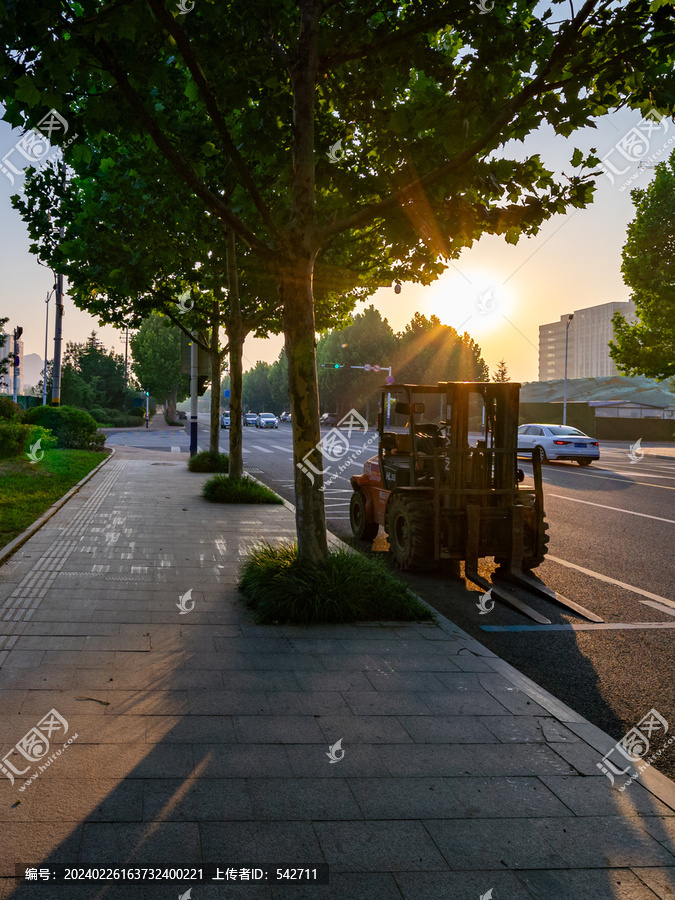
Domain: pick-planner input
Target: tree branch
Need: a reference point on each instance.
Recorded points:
(165, 19)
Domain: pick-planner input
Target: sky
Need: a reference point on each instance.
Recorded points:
(497, 292)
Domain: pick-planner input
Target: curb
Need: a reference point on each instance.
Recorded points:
(652, 780)
(21, 539)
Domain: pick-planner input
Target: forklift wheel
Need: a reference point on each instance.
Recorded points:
(409, 522)
(361, 527)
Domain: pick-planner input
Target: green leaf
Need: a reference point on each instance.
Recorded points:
(577, 158)
(26, 92)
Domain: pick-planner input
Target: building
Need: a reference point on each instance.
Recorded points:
(7, 379)
(590, 332)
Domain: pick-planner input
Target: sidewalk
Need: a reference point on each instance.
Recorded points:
(203, 739)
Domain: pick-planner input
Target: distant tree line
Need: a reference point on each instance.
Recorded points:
(425, 352)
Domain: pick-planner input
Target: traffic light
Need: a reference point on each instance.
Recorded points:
(18, 331)
(332, 365)
(147, 393)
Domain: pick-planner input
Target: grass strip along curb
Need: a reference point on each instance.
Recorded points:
(223, 489)
(344, 587)
(11, 548)
(205, 461)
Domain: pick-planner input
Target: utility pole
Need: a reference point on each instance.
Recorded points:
(18, 331)
(44, 370)
(194, 394)
(58, 326)
(567, 334)
(147, 409)
(126, 358)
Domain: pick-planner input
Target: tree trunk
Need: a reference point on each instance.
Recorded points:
(214, 353)
(171, 401)
(298, 319)
(235, 335)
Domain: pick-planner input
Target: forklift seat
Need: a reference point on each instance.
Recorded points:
(402, 444)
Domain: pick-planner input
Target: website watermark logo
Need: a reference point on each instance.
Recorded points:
(336, 153)
(183, 602)
(634, 147)
(636, 453)
(184, 6)
(334, 448)
(485, 7)
(487, 895)
(34, 747)
(35, 454)
(483, 603)
(34, 145)
(183, 305)
(486, 302)
(634, 746)
(333, 752)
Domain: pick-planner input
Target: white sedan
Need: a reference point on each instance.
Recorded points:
(225, 420)
(559, 442)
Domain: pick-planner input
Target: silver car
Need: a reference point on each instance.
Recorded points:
(267, 420)
(559, 442)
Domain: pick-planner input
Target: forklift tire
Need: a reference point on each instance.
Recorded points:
(409, 523)
(531, 562)
(362, 529)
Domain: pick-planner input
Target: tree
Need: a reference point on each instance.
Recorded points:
(423, 96)
(4, 337)
(501, 373)
(90, 376)
(257, 393)
(647, 346)
(429, 352)
(156, 350)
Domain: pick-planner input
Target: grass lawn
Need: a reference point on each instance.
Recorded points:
(27, 490)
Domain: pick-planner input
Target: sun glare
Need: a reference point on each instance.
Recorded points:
(471, 301)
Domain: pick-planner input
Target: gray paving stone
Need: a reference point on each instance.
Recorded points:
(604, 842)
(473, 759)
(333, 681)
(241, 760)
(96, 800)
(617, 884)
(595, 796)
(190, 730)
(219, 703)
(128, 844)
(447, 730)
(315, 703)
(363, 729)
(404, 681)
(465, 704)
(311, 760)
(661, 881)
(302, 799)
(32, 842)
(444, 885)
(381, 703)
(485, 845)
(249, 843)
(198, 800)
(378, 847)
(523, 729)
(361, 886)
(272, 730)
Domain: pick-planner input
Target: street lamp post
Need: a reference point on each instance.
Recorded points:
(567, 334)
(44, 370)
(18, 331)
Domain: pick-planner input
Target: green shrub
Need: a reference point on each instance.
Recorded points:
(100, 414)
(74, 428)
(9, 410)
(345, 587)
(137, 412)
(209, 462)
(223, 489)
(43, 435)
(13, 437)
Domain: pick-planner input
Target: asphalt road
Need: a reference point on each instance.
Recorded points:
(612, 530)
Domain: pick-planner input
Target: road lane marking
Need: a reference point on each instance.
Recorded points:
(586, 474)
(258, 447)
(279, 447)
(606, 626)
(622, 584)
(614, 508)
(660, 607)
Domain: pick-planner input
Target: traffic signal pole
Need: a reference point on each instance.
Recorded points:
(375, 369)
(194, 395)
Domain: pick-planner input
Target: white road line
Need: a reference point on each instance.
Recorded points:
(614, 508)
(258, 447)
(279, 447)
(175, 449)
(663, 609)
(608, 580)
(587, 474)
(607, 626)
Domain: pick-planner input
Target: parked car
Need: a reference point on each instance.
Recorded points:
(266, 420)
(250, 418)
(329, 419)
(225, 420)
(285, 417)
(182, 414)
(559, 442)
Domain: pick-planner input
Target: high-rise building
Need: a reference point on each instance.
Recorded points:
(590, 332)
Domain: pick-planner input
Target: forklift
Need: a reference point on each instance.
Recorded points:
(445, 492)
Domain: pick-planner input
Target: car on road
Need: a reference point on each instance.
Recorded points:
(329, 419)
(225, 420)
(285, 417)
(266, 420)
(559, 442)
(250, 418)
(182, 414)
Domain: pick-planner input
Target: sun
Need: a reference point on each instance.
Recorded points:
(475, 301)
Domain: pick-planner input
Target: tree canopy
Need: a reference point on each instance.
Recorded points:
(647, 346)
(386, 124)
